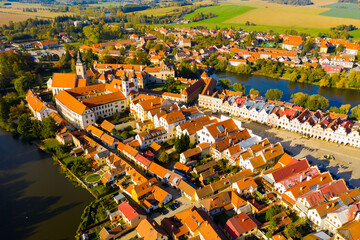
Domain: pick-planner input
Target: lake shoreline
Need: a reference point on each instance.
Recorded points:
(287, 79)
(336, 96)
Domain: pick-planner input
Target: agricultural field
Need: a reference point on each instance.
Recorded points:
(15, 13)
(6, 17)
(343, 10)
(266, 16)
(291, 16)
(169, 10)
(223, 12)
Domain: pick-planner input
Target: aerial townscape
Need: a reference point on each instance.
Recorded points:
(174, 120)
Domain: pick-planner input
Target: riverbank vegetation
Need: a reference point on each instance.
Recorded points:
(313, 102)
(95, 214)
(309, 75)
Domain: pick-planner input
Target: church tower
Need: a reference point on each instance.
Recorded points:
(125, 84)
(80, 67)
(134, 80)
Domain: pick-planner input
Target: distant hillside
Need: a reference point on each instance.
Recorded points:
(348, 1)
(68, 2)
(294, 2)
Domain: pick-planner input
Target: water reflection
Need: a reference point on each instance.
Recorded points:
(36, 201)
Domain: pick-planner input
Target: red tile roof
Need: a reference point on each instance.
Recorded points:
(289, 170)
(143, 160)
(129, 210)
(239, 224)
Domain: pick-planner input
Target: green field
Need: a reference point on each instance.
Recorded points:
(161, 11)
(267, 16)
(223, 12)
(343, 10)
(355, 34)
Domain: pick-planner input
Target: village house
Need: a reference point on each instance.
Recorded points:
(38, 107)
(241, 226)
(131, 213)
(150, 230)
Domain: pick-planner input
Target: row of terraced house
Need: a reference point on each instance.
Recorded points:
(327, 126)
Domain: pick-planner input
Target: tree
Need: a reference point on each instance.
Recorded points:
(182, 143)
(170, 85)
(269, 234)
(194, 69)
(273, 224)
(21, 85)
(48, 129)
(238, 87)
(185, 142)
(299, 98)
(24, 125)
(355, 112)
(148, 45)
(92, 35)
(177, 145)
(344, 109)
(224, 83)
(274, 94)
(315, 102)
(334, 109)
(294, 76)
(340, 48)
(324, 82)
(4, 109)
(271, 212)
(293, 231)
(164, 157)
(254, 92)
(36, 129)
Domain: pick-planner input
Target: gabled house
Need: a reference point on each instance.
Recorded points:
(131, 213)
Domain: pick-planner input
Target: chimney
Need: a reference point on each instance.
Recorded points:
(243, 220)
(321, 179)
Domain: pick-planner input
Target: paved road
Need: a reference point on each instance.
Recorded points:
(347, 159)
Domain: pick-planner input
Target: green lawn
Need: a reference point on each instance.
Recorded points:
(93, 178)
(70, 159)
(51, 143)
(343, 10)
(160, 86)
(223, 12)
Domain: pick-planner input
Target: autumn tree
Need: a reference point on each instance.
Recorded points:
(254, 92)
(274, 94)
(164, 157)
(238, 87)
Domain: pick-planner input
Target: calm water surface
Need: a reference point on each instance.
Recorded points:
(336, 97)
(36, 201)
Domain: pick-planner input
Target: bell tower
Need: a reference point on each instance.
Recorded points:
(134, 79)
(125, 84)
(80, 67)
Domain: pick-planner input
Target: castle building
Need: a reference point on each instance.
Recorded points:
(82, 106)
